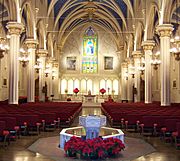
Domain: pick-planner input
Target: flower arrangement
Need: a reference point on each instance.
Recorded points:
(102, 91)
(76, 91)
(93, 148)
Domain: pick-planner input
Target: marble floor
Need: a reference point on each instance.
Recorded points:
(18, 150)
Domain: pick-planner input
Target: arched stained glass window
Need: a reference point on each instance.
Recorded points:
(89, 58)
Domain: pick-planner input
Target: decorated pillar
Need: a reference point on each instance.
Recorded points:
(137, 77)
(130, 82)
(124, 79)
(55, 79)
(148, 47)
(31, 45)
(164, 32)
(15, 29)
(42, 89)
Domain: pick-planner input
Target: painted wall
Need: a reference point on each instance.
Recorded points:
(106, 48)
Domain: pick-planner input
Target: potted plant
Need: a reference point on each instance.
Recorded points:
(102, 91)
(76, 91)
(93, 148)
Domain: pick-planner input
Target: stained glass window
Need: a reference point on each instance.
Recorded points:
(89, 58)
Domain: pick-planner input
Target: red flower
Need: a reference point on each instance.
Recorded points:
(76, 90)
(102, 91)
(93, 148)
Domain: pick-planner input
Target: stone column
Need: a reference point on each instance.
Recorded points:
(56, 81)
(31, 45)
(130, 82)
(14, 29)
(124, 79)
(137, 78)
(148, 47)
(49, 81)
(164, 32)
(42, 56)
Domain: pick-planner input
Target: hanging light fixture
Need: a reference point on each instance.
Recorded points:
(175, 41)
(23, 58)
(142, 65)
(155, 61)
(132, 71)
(47, 70)
(38, 65)
(3, 41)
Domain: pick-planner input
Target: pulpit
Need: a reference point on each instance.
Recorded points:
(92, 124)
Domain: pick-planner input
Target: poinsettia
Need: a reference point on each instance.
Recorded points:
(93, 148)
(76, 90)
(102, 91)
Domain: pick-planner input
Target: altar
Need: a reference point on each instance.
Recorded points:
(90, 98)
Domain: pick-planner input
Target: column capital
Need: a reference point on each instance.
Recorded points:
(55, 64)
(42, 52)
(31, 43)
(124, 65)
(164, 30)
(148, 44)
(59, 47)
(136, 54)
(15, 28)
(130, 62)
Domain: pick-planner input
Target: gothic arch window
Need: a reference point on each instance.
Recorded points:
(90, 49)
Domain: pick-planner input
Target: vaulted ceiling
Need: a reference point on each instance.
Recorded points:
(110, 14)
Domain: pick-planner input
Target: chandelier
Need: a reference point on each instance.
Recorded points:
(3, 47)
(132, 71)
(175, 41)
(47, 70)
(38, 65)
(141, 68)
(23, 58)
(175, 47)
(155, 60)
(3, 41)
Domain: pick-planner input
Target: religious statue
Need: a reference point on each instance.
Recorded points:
(89, 92)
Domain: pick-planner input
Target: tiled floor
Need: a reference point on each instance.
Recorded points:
(17, 151)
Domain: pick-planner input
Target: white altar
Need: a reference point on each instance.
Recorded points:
(90, 98)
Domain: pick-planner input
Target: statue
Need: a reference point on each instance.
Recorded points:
(89, 92)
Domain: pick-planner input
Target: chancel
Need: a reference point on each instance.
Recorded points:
(61, 60)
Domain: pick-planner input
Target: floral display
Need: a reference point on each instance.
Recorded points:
(102, 91)
(76, 90)
(93, 148)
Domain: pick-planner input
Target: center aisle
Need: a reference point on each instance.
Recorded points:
(88, 109)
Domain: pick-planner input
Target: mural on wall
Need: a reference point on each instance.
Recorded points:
(108, 63)
(71, 63)
(89, 58)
